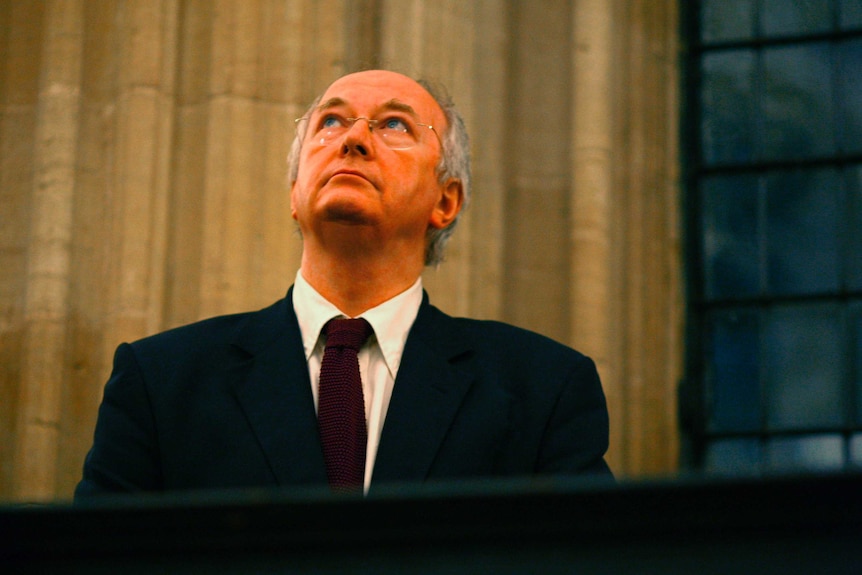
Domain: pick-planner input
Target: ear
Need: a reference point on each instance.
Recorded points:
(292, 205)
(448, 204)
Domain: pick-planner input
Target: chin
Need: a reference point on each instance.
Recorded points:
(345, 203)
(347, 214)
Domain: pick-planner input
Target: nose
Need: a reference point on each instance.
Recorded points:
(357, 139)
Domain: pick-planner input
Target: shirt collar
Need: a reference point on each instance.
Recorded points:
(390, 320)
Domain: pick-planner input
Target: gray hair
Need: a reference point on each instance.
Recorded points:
(454, 163)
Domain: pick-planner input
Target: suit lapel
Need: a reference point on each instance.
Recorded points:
(276, 398)
(274, 392)
(428, 392)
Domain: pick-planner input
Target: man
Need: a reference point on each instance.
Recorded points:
(380, 173)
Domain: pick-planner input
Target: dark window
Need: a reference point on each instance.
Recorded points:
(773, 155)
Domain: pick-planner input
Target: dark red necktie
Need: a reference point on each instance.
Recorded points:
(341, 404)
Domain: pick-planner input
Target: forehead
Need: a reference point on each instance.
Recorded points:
(366, 92)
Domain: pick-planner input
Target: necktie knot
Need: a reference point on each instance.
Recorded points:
(349, 333)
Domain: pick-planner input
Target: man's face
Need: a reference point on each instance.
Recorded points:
(355, 184)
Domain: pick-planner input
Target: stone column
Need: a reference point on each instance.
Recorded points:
(46, 309)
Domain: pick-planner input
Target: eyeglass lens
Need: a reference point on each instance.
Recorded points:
(394, 132)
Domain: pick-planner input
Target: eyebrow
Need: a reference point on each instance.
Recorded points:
(332, 103)
(394, 104)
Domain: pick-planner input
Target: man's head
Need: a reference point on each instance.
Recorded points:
(380, 149)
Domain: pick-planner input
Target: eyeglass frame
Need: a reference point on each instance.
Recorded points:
(371, 126)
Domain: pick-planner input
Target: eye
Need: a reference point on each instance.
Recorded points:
(331, 121)
(395, 125)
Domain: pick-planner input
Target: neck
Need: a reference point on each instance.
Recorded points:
(360, 282)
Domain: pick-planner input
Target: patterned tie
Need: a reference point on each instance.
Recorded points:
(341, 404)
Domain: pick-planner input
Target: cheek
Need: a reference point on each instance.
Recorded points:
(305, 181)
(311, 160)
(299, 193)
(420, 175)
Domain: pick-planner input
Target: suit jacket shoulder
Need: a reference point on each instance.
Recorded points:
(215, 337)
(480, 398)
(224, 402)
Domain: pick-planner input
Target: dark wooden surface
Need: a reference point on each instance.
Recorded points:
(788, 525)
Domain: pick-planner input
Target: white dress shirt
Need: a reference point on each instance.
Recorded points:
(379, 358)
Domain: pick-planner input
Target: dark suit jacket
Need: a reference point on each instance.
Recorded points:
(227, 402)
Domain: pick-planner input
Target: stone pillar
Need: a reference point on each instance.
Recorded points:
(594, 198)
(46, 308)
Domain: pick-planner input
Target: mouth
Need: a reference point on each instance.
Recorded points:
(353, 173)
(346, 175)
